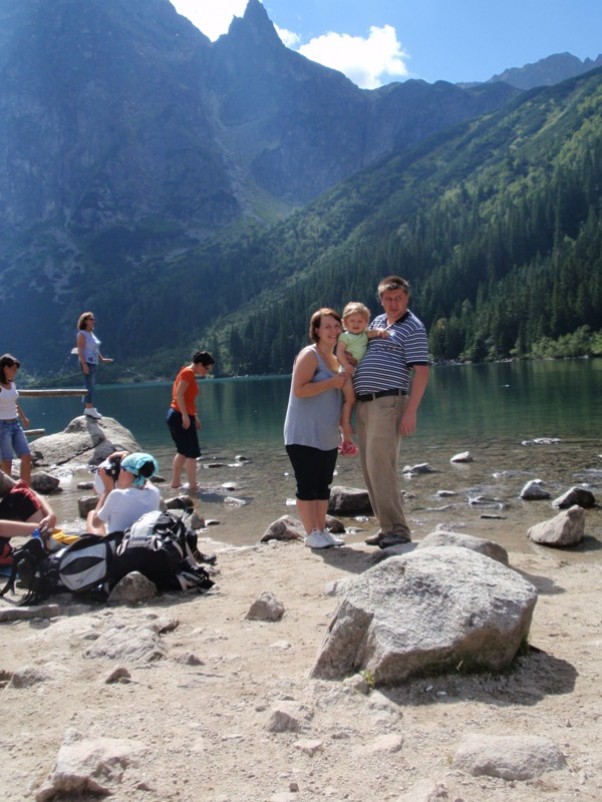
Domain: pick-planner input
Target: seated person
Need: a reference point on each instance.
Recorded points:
(123, 501)
(22, 511)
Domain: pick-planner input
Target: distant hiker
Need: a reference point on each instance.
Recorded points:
(389, 383)
(183, 421)
(353, 341)
(12, 436)
(124, 500)
(88, 352)
(311, 427)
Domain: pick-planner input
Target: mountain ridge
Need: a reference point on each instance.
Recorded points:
(133, 151)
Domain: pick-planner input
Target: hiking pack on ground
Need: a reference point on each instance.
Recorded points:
(159, 545)
(163, 547)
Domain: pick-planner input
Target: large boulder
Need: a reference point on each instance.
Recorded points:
(84, 440)
(565, 529)
(443, 537)
(349, 501)
(429, 611)
(576, 495)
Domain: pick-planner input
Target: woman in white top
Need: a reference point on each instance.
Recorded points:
(123, 501)
(12, 436)
(88, 353)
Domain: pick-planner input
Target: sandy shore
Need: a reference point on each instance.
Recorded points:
(196, 714)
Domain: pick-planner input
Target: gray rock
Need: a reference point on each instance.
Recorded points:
(509, 757)
(84, 440)
(464, 456)
(266, 608)
(349, 501)
(120, 674)
(137, 643)
(565, 529)
(27, 677)
(422, 467)
(426, 791)
(179, 503)
(534, 491)
(288, 716)
(232, 501)
(85, 504)
(89, 766)
(486, 501)
(431, 610)
(44, 483)
(284, 528)
(576, 495)
(334, 525)
(29, 612)
(441, 537)
(133, 588)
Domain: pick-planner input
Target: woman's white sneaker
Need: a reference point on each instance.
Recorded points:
(318, 540)
(335, 541)
(322, 540)
(92, 412)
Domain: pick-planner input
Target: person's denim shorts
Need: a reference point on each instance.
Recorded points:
(12, 440)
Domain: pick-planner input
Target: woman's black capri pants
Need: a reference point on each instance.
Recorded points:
(313, 469)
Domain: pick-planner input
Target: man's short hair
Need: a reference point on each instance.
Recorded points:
(393, 283)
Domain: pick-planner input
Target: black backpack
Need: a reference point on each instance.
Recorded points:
(79, 567)
(162, 547)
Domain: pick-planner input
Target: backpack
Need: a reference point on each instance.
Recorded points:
(162, 547)
(80, 567)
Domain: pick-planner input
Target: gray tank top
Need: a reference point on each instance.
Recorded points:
(314, 421)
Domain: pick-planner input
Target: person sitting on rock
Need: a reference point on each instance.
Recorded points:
(22, 511)
(123, 501)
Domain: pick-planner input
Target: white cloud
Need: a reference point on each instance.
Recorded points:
(213, 17)
(366, 61)
(289, 38)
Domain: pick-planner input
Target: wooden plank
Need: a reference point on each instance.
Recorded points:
(34, 432)
(61, 392)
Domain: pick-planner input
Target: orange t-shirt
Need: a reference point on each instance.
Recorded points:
(192, 390)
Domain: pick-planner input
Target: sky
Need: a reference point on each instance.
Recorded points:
(375, 42)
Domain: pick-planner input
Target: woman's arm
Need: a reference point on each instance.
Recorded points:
(95, 524)
(48, 520)
(23, 416)
(181, 402)
(303, 373)
(81, 342)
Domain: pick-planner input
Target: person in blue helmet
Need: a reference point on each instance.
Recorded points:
(125, 499)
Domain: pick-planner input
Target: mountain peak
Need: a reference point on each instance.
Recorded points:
(254, 25)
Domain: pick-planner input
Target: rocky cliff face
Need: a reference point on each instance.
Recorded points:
(127, 138)
(548, 71)
(115, 112)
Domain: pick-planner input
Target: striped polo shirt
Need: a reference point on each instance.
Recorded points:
(388, 360)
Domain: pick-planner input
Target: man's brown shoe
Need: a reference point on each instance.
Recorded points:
(393, 539)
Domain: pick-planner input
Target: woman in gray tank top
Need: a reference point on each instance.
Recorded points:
(311, 427)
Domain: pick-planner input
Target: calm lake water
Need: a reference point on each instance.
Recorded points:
(494, 411)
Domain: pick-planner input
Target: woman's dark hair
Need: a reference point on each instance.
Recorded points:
(7, 361)
(83, 319)
(203, 358)
(316, 319)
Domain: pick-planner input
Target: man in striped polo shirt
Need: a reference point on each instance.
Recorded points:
(389, 383)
